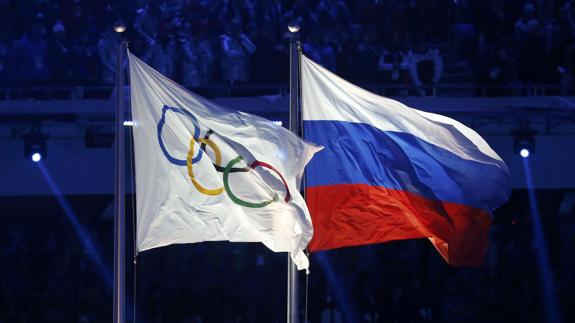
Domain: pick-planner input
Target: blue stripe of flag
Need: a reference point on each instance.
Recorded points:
(357, 153)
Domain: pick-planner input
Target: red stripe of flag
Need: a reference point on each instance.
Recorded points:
(362, 214)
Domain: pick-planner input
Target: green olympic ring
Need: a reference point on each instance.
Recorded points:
(253, 165)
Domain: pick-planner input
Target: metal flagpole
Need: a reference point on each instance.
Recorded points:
(119, 232)
(292, 272)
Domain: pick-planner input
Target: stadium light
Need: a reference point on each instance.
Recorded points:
(36, 157)
(35, 147)
(524, 152)
(35, 150)
(524, 143)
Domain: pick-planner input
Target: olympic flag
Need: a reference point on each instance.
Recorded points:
(204, 173)
(391, 172)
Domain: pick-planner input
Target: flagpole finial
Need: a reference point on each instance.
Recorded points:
(119, 26)
(294, 27)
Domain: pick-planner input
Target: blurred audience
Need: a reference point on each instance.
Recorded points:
(425, 66)
(408, 44)
(236, 48)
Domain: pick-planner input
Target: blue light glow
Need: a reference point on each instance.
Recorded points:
(36, 157)
(524, 152)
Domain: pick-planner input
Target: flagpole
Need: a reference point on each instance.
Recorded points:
(119, 220)
(292, 272)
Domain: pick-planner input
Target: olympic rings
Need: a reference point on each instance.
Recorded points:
(173, 160)
(217, 165)
(199, 187)
(270, 167)
(235, 198)
(206, 141)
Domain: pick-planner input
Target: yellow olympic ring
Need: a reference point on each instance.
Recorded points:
(217, 152)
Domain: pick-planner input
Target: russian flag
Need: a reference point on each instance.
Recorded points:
(391, 172)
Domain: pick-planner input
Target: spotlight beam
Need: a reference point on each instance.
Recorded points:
(545, 271)
(82, 235)
(79, 229)
(338, 289)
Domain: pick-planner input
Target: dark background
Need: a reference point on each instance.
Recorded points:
(49, 276)
(56, 250)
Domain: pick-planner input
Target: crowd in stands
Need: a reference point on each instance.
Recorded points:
(49, 273)
(200, 42)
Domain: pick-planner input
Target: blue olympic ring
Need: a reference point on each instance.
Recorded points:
(173, 160)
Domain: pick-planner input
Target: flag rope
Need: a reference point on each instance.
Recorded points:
(133, 205)
(306, 292)
(134, 237)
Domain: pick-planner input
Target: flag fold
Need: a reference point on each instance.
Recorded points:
(391, 172)
(205, 173)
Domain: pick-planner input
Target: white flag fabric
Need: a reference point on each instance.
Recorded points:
(205, 173)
